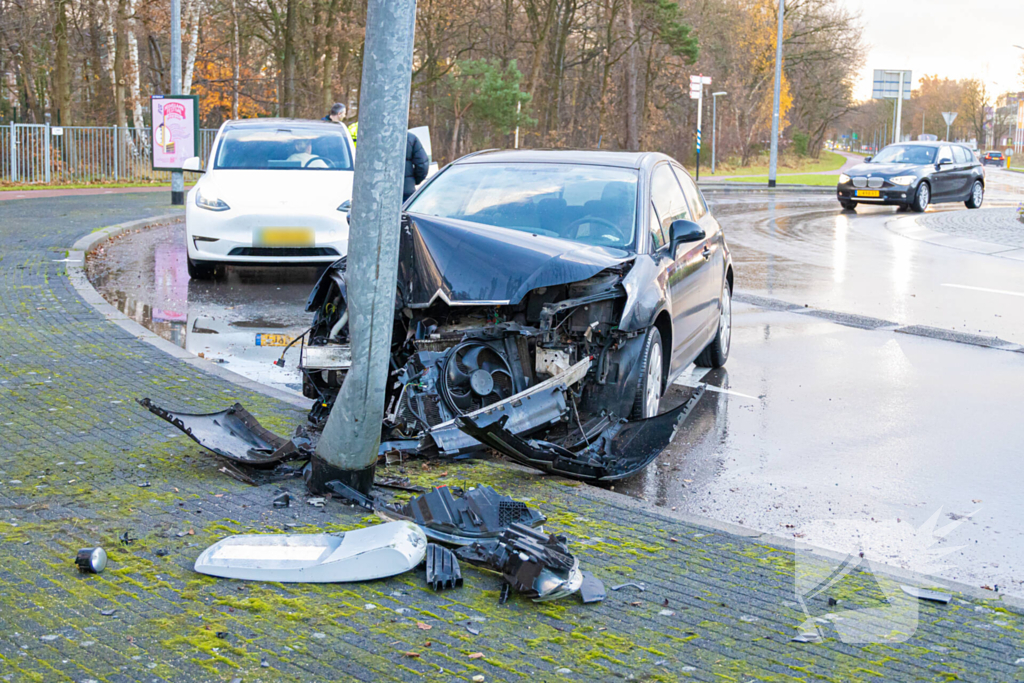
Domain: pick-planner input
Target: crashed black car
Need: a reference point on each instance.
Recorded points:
(550, 292)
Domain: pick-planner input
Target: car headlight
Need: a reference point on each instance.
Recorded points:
(346, 205)
(210, 201)
(903, 179)
(843, 178)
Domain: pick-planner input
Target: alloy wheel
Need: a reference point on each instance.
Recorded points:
(725, 320)
(652, 397)
(978, 193)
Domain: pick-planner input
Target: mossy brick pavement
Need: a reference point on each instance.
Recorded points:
(76, 450)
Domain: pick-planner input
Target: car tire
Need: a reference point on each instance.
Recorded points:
(652, 376)
(201, 271)
(717, 352)
(847, 204)
(921, 198)
(977, 196)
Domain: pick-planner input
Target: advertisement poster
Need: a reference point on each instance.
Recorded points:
(175, 130)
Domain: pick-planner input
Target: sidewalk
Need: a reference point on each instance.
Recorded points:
(82, 464)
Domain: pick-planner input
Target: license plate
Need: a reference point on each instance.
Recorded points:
(867, 193)
(264, 339)
(284, 237)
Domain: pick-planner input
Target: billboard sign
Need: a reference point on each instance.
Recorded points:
(174, 130)
(886, 84)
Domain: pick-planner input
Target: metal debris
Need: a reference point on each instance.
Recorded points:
(91, 560)
(639, 586)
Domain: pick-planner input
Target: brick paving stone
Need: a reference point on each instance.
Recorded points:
(71, 461)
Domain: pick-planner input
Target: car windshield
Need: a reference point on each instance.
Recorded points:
(589, 204)
(284, 147)
(905, 154)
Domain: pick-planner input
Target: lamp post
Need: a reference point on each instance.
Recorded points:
(773, 158)
(177, 177)
(714, 125)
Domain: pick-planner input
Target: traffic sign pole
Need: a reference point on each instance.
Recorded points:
(700, 110)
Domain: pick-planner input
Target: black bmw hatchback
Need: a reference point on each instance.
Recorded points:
(914, 175)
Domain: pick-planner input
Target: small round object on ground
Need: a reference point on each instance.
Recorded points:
(91, 560)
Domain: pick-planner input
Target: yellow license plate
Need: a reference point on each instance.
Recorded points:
(867, 193)
(272, 340)
(284, 237)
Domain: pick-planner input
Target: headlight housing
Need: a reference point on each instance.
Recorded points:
(843, 178)
(903, 179)
(210, 201)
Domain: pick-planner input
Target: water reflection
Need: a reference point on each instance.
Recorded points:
(228, 321)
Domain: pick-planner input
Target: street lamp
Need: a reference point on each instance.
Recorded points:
(773, 156)
(714, 125)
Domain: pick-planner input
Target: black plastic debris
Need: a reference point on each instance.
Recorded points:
(284, 500)
(480, 513)
(619, 451)
(349, 494)
(535, 564)
(592, 588)
(126, 538)
(443, 571)
(91, 560)
(233, 433)
(925, 594)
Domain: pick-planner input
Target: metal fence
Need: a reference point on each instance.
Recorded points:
(40, 153)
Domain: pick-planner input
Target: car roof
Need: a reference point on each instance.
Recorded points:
(277, 122)
(927, 143)
(562, 156)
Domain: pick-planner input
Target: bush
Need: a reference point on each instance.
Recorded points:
(800, 142)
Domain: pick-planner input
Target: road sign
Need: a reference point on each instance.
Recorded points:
(949, 117)
(886, 84)
(700, 80)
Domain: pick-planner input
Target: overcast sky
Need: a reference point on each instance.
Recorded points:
(951, 38)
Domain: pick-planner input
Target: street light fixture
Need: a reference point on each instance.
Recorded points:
(714, 125)
(773, 156)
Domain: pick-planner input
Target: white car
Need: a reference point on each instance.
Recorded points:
(275, 191)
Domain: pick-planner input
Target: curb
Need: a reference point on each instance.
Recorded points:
(76, 274)
(761, 189)
(910, 228)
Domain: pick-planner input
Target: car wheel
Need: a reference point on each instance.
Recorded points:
(201, 271)
(717, 352)
(847, 204)
(648, 389)
(977, 196)
(922, 198)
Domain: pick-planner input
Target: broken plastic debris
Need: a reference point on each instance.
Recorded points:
(91, 560)
(807, 637)
(925, 594)
(443, 571)
(630, 583)
(282, 501)
(592, 588)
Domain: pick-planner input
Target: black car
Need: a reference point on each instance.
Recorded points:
(993, 158)
(914, 175)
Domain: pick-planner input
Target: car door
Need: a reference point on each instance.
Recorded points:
(685, 272)
(712, 252)
(944, 177)
(963, 162)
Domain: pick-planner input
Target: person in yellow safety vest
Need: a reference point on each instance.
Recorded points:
(353, 130)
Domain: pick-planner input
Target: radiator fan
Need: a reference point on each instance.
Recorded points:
(475, 375)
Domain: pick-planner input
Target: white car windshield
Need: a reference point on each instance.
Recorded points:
(905, 154)
(590, 204)
(284, 147)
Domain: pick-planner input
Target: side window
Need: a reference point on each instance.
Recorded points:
(658, 236)
(959, 154)
(944, 153)
(692, 194)
(667, 197)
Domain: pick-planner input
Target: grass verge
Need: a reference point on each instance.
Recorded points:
(798, 179)
(827, 161)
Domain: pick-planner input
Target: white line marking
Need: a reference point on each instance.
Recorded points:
(985, 289)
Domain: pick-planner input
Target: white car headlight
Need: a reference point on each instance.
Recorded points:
(209, 200)
(843, 178)
(903, 179)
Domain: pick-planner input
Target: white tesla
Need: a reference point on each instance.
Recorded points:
(275, 192)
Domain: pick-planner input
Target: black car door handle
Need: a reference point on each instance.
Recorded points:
(706, 253)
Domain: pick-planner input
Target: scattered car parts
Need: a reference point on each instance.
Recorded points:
(592, 588)
(926, 594)
(535, 564)
(480, 513)
(358, 555)
(443, 570)
(91, 560)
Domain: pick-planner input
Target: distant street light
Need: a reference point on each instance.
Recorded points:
(773, 158)
(714, 125)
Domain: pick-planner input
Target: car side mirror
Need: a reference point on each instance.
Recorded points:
(683, 230)
(945, 160)
(192, 164)
(867, 160)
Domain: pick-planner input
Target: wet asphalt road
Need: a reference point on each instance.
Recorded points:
(811, 423)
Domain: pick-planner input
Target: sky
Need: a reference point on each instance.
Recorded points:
(950, 38)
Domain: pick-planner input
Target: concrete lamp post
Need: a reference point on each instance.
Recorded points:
(714, 124)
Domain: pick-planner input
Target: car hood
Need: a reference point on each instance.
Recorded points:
(882, 169)
(464, 263)
(308, 190)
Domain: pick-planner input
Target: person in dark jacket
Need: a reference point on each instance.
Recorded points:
(336, 114)
(417, 163)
